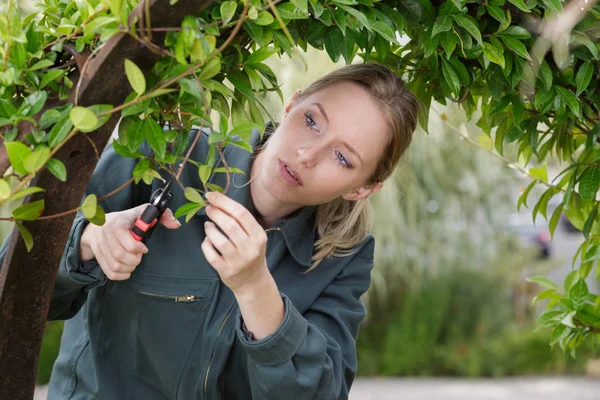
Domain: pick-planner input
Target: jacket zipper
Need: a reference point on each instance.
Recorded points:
(178, 299)
(213, 350)
(221, 328)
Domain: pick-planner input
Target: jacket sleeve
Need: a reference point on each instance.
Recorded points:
(313, 355)
(72, 283)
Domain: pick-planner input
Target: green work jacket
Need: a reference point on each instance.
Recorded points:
(136, 339)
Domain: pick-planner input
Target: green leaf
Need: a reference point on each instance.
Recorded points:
(334, 43)
(27, 238)
(188, 208)
(59, 131)
(442, 24)
(539, 173)
(450, 77)
(555, 6)
(578, 293)
(25, 192)
(51, 76)
(584, 76)
(83, 119)
(37, 159)
(212, 67)
(546, 294)
(523, 197)
(41, 64)
(570, 280)
(242, 145)
(232, 170)
(384, 30)
(30, 211)
(100, 217)
(518, 32)
(260, 55)
(543, 281)
(516, 45)
(58, 169)
(215, 188)
(546, 76)
(570, 99)
(290, 11)
(357, 14)
(264, 18)
(17, 153)
(590, 221)
(589, 183)
(301, 4)
(7, 109)
(520, 5)
(550, 318)
(469, 26)
(492, 54)
(155, 136)
(228, 11)
(554, 219)
(496, 13)
(4, 189)
(135, 76)
(192, 195)
(204, 171)
(89, 206)
(33, 103)
(244, 130)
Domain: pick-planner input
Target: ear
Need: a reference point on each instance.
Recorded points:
(288, 107)
(363, 192)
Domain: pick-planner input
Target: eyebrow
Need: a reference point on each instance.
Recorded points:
(322, 109)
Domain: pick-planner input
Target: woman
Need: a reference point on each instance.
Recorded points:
(268, 305)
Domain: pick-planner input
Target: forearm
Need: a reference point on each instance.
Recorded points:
(261, 307)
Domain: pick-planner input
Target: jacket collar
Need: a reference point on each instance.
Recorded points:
(298, 230)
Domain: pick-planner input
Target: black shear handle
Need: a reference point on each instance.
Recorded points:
(146, 223)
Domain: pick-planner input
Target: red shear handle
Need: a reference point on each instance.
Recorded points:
(145, 224)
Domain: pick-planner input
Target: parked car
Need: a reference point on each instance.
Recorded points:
(537, 236)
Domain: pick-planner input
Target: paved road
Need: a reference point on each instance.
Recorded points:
(480, 389)
(464, 389)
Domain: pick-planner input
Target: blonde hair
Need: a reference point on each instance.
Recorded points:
(342, 224)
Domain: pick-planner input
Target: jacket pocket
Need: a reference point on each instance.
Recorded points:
(149, 324)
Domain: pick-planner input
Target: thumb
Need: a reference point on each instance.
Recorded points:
(169, 220)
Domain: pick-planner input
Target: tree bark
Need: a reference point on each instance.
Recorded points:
(27, 279)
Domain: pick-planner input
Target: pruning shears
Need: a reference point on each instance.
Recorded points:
(159, 202)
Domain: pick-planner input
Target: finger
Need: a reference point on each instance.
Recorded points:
(229, 225)
(128, 242)
(105, 266)
(120, 260)
(219, 240)
(169, 220)
(211, 255)
(235, 210)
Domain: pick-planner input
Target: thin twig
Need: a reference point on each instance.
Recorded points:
(93, 145)
(220, 150)
(73, 211)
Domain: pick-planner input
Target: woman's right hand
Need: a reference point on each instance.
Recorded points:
(112, 244)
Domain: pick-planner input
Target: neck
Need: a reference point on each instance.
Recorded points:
(268, 209)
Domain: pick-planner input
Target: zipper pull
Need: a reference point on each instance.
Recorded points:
(184, 299)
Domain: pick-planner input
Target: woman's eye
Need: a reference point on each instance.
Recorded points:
(342, 159)
(309, 122)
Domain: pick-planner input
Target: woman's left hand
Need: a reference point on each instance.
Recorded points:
(242, 264)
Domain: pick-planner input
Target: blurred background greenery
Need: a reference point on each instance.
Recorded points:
(448, 294)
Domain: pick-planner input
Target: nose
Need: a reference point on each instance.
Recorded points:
(307, 156)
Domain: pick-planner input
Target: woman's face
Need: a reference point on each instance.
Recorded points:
(327, 145)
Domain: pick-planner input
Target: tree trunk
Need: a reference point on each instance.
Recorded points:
(27, 279)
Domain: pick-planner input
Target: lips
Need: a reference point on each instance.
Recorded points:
(289, 174)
